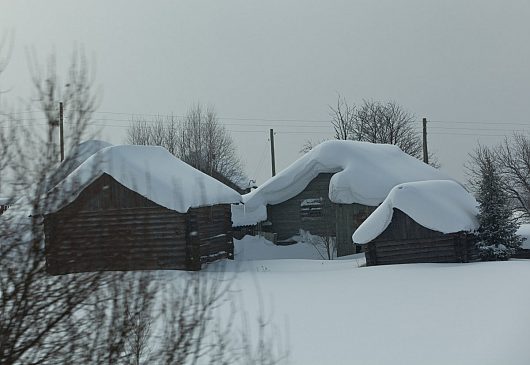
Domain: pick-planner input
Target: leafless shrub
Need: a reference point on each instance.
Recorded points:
(512, 159)
(326, 246)
(103, 318)
(198, 139)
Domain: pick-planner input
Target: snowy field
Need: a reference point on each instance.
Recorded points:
(338, 312)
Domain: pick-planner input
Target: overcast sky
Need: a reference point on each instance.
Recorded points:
(465, 65)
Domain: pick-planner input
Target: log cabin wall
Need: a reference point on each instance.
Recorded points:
(210, 234)
(316, 216)
(312, 211)
(405, 241)
(110, 227)
(349, 217)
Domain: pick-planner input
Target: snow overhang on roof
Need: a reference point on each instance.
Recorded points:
(150, 171)
(364, 173)
(439, 205)
(76, 157)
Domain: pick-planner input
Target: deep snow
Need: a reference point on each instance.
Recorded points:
(335, 312)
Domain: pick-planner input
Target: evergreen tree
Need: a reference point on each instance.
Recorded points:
(497, 239)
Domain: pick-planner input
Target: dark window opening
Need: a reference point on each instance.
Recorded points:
(311, 208)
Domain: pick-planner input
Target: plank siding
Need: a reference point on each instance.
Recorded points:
(336, 220)
(215, 235)
(110, 227)
(287, 221)
(349, 218)
(405, 241)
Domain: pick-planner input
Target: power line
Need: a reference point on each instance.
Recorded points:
(258, 119)
(475, 128)
(477, 122)
(297, 120)
(289, 125)
(258, 166)
(461, 129)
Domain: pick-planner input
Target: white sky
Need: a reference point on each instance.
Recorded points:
(279, 64)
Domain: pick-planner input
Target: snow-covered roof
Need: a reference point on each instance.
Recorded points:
(79, 155)
(4, 201)
(364, 173)
(440, 205)
(152, 172)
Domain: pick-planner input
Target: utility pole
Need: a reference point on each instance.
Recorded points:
(61, 130)
(425, 153)
(272, 153)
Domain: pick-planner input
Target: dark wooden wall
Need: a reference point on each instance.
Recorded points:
(349, 218)
(110, 227)
(337, 220)
(522, 253)
(209, 235)
(287, 221)
(3, 208)
(405, 241)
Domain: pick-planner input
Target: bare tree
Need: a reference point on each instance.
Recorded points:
(199, 139)
(37, 308)
(103, 318)
(325, 245)
(161, 131)
(512, 159)
(343, 119)
(376, 122)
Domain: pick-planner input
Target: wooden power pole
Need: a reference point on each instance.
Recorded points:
(61, 130)
(425, 152)
(272, 153)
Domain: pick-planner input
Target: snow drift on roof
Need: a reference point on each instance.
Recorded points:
(364, 173)
(77, 157)
(150, 171)
(440, 205)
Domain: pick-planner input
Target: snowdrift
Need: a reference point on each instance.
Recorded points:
(84, 151)
(152, 172)
(442, 205)
(364, 173)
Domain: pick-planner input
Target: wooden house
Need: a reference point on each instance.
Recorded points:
(523, 252)
(420, 222)
(137, 208)
(311, 210)
(4, 204)
(330, 191)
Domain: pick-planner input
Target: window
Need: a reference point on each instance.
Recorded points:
(311, 208)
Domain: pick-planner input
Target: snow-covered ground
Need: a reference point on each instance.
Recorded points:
(338, 312)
